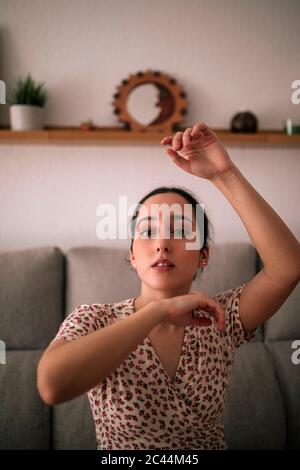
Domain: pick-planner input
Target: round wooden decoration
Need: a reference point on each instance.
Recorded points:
(172, 102)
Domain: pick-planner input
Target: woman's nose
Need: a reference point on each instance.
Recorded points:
(163, 242)
(163, 248)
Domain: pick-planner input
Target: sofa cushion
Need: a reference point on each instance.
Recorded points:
(73, 425)
(101, 275)
(98, 275)
(229, 265)
(254, 405)
(31, 296)
(24, 417)
(285, 323)
(288, 375)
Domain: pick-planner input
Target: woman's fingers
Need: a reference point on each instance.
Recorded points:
(196, 321)
(178, 160)
(187, 304)
(177, 141)
(212, 306)
(218, 313)
(187, 136)
(167, 140)
(181, 139)
(199, 129)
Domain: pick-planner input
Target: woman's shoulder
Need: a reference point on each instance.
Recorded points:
(113, 310)
(228, 296)
(230, 301)
(86, 318)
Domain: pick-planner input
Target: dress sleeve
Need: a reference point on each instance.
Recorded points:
(85, 319)
(234, 331)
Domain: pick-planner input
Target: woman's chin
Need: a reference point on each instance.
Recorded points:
(167, 283)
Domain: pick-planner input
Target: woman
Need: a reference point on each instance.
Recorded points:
(158, 378)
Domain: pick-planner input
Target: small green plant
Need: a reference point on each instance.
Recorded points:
(28, 91)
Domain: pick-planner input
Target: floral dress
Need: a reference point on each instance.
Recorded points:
(138, 406)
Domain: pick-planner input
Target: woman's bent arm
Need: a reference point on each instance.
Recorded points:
(72, 369)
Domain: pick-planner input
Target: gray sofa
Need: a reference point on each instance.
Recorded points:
(40, 286)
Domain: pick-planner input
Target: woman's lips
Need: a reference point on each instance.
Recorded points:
(163, 268)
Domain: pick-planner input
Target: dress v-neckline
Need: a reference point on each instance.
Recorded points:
(154, 353)
(158, 360)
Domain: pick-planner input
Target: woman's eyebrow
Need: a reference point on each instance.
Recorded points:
(176, 217)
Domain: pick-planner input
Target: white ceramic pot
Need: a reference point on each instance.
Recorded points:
(24, 117)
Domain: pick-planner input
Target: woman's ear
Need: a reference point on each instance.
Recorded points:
(204, 256)
(132, 260)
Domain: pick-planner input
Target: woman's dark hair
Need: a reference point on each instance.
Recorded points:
(186, 195)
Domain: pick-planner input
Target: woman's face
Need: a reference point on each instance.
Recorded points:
(152, 241)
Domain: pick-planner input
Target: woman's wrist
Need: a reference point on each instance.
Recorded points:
(159, 311)
(226, 177)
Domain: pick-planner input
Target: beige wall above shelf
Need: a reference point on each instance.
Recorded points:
(119, 136)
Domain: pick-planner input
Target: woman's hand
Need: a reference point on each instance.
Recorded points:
(201, 152)
(179, 310)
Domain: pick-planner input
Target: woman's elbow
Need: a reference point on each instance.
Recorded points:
(45, 387)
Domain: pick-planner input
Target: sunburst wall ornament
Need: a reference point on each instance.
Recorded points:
(171, 98)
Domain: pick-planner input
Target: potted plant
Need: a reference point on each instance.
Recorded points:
(27, 102)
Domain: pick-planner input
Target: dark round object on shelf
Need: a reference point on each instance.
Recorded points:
(244, 122)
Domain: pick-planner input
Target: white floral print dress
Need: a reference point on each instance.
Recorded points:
(138, 406)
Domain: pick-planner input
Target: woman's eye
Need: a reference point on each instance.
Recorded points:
(148, 233)
(143, 232)
(181, 232)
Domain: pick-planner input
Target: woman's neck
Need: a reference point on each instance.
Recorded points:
(146, 296)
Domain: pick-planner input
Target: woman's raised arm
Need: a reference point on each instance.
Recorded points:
(203, 155)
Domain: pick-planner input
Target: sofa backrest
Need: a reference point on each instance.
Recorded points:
(32, 302)
(39, 287)
(102, 275)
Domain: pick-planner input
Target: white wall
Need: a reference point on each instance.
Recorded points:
(227, 55)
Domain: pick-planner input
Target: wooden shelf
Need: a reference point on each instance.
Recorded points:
(120, 136)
